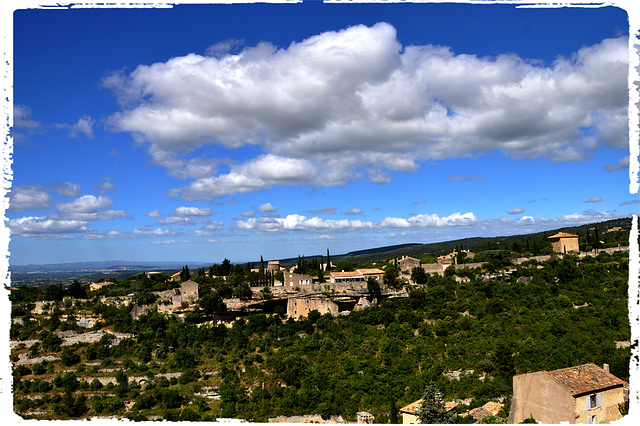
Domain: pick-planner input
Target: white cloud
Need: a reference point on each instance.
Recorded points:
(68, 189)
(622, 164)
(295, 222)
(463, 178)
(516, 211)
(192, 211)
(342, 105)
(255, 175)
(22, 117)
(267, 208)
(82, 127)
(354, 212)
(34, 226)
(593, 200)
(85, 204)
(147, 231)
(103, 187)
(430, 220)
(29, 197)
(154, 213)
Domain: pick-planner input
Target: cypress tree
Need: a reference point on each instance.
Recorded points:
(328, 268)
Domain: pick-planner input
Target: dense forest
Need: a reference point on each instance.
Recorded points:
(546, 315)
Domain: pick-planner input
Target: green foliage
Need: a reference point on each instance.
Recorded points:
(432, 407)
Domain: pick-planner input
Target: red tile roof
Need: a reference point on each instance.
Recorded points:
(585, 378)
(563, 235)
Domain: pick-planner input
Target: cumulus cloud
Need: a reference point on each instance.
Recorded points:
(297, 222)
(622, 164)
(355, 103)
(267, 208)
(29, 197)
(192, 211)
(593, 200)
(103, 187)
(85, 204)
(82, 127)
(515, 211)
(36, 226)
(68, 189)
(430, 220)
(154, 213)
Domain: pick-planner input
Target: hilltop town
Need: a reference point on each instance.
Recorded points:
(334, 342)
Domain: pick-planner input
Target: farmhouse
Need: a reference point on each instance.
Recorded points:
(584, 394)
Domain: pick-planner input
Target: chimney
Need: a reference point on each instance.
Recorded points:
(605, 367)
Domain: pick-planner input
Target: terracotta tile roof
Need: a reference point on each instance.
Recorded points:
(346, 274)
(585, 378)
(563, 235)
(412, 408)
(370, 271)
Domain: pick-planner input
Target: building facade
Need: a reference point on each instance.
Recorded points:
(563, 242)
(584, 394)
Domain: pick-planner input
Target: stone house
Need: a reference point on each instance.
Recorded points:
(292, 279)
(371, 273)
(273, 266)
(187, 292)
(584, 394)
(563, 242)
(408, 263)
(364, 418)
(301, 306)
(346, 277)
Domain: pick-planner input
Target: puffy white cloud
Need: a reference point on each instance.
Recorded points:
(429, 220)
(296, 222)
(85, 204)
(68, 189)
(342, 105)
(267, 208)
(516, 211)
(154, 213)
(29, 197)
(255, 175)
(147, 231)
(35, 226)
(593, 200)
(192, 211)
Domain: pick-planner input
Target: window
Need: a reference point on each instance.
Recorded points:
(594, 401)
(592, 420)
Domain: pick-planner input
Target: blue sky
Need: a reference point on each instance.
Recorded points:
(200, 132)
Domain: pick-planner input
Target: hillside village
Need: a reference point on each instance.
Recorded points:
(75, 340)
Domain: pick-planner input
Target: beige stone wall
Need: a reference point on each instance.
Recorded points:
(409, 419)
(301, 306)
(540, 395)
(607, 413)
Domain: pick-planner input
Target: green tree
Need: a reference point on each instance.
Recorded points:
(418, 275)
(432, 407)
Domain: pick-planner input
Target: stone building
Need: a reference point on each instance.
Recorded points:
(584, 394)
(563, 242)
(301, 306)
